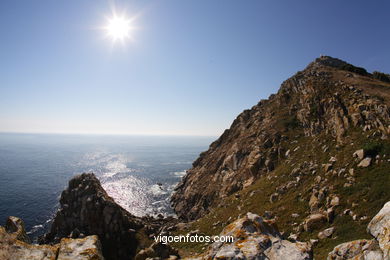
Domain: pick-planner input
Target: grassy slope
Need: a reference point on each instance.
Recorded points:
(370, 192)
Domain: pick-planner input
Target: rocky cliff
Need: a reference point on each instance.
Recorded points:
(86, 209)
(314, 157)
(323, 98)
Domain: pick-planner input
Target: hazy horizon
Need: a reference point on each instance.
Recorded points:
(169, 67)
(109, 134)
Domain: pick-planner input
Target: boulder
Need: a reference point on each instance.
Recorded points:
(80, 249)
(314, 221)
(335, 201)
(256, 238)
(358, 249)
(359, 154)
(365, 162)
(379, 227)
(326, 233)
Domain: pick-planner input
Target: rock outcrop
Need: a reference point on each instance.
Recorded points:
(256, 238)
(86, 209)
(329, 97)
(375, 249)
(14, 244)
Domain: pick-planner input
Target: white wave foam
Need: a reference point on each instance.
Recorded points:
(34, 229)
(157, 190)
(179, 174)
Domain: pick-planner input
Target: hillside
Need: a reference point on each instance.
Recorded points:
(318, 146)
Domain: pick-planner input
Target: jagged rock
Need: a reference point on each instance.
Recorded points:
(365, 162)
(359, 154)
(255, 238)
(314, 221)
(379, 227)
(15, 226)
(13, 245)
(86, 207)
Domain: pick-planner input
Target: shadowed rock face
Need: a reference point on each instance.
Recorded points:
(86, 209)
(322, 99)
(14, 244)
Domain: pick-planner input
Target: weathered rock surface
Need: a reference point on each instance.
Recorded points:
(314, 221)
(86, 208)
(157, 250)
(365, 162)
(80, 248)
(14, 245)
(358, 249)
(379, 227)
(375, 249)
(321, 99)
(256, 238)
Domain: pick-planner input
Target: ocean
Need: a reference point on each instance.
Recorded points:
(139, 172)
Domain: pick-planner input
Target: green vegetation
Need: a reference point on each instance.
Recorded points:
(291, 122)
(381, 76)
(373, 148)
(365, 198)
(357, 70)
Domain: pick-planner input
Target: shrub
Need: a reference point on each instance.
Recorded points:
(381, 76)
(357, 70)
(372, 148)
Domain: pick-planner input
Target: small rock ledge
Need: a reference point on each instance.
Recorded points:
(14, 244)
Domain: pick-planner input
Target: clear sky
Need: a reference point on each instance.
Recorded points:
(190, 68)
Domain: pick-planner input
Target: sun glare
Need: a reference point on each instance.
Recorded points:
(119, 28)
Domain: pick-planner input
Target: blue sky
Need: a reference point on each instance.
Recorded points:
(190, 69)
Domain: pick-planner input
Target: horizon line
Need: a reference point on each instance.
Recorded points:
(108, 134)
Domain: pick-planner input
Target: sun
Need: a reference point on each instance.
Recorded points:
(119, 28)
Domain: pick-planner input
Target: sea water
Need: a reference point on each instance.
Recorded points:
(139, 172)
